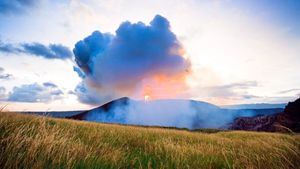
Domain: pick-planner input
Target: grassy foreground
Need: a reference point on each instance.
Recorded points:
(36, 142)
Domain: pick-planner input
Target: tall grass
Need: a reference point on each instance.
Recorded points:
(37, 142)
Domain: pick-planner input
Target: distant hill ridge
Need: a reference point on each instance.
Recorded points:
(255, 106)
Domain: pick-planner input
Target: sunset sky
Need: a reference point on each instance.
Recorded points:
(223, 52)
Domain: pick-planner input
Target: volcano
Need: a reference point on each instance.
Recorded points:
(178, 113)
(168, 113)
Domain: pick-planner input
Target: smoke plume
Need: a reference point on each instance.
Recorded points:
(138, 60)
(169, 113)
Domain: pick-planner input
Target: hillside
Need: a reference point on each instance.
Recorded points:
(178, 113)
(28, 141)
(288, 120)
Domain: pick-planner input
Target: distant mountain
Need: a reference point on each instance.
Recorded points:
(56, 114)
(170, 113)
(288, 120)
(255, 106)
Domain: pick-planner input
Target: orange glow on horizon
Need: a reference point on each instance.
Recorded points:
(164, 86)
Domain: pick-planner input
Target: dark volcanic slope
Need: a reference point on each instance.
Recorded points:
(106, 108)
(171, 113)
(289, 119)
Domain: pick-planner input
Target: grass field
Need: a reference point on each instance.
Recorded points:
(37, 142)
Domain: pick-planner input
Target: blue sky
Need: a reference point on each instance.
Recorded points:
(229, 52)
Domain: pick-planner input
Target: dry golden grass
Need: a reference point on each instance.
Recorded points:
(38, 142)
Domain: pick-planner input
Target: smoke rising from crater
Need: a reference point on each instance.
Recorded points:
(169, 113)
(138, 60)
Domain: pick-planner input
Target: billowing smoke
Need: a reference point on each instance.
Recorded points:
(170, 113)
(138, 60)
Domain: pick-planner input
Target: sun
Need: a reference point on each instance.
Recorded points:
(146, 97)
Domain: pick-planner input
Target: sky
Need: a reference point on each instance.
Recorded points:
(75, 54)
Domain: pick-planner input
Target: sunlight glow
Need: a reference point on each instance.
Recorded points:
(146, 98)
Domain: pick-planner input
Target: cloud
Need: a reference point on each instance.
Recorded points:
(249, 96)
(52, 51)
(79, 72)
(16, 6)
(5, 76)
(139, 59)
(293, 93)
(35, 93)
(8, 48)
(3, 94)
(231, 90)
(49, 84)
(240, 85)
(86, 95)
(289, 91)
(225, 94)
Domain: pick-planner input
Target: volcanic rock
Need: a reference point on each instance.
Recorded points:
(286, 121)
